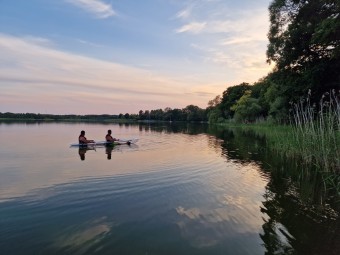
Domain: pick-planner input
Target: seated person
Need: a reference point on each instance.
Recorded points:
(82, 139)
(109, 138)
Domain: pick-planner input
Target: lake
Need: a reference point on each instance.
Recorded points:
(181, 189)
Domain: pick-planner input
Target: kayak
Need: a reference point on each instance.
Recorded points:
(118, 142)
(105, 143)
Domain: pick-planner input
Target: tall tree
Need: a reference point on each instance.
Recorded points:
(230, 97)
(247, 109)
(304, 42)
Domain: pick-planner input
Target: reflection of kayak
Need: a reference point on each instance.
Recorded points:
(104, 143)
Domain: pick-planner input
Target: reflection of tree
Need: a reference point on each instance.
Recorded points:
(175, 127)
(294, 227)
(276, 240)
(239, 145)
(299, 218)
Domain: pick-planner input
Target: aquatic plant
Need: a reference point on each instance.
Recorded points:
(316, 131)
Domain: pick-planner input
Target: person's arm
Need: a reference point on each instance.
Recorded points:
(110, 138)
(84, 140)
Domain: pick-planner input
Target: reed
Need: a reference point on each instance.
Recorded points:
(316, 132)
(312, 139)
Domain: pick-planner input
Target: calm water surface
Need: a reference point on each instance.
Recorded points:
(179, 190)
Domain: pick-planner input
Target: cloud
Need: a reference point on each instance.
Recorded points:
(96, 7)
(237, 38)
(194, 27)
(185, 13)
(36, 74)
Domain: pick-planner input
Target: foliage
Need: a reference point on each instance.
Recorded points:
(304, 43)
(215, 102)
(215, 115)
(189, 113)
(246, 108)
(230, 97)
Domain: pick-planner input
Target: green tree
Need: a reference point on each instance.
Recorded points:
(258, 90)
(304, 39)
(168, 114)
(215, 115)
(194, 113)
(247, 108)
(230, 97)
(177, 114)
(157, 114)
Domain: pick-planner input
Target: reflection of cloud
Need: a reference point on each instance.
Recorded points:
(192, 213)
(199, 233)
(81, 238)
(209, 227)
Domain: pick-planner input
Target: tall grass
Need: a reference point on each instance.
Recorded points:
(312, 140)
(316, 132)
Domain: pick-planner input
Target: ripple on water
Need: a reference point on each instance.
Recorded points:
(175, 187)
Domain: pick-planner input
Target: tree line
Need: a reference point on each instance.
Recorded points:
(304, 39)
(189, 113)
(38, 116)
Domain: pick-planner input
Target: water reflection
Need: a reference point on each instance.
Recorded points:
(301, 217)
(78, 239)
(108, 151)
(175, 127)
(82, 150)
(188, 189)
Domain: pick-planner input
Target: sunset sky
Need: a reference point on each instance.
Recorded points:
(122, 56)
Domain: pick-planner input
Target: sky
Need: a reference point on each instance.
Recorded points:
(122, 56)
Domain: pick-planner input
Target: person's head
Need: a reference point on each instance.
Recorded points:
(109, 131)
(82, 132)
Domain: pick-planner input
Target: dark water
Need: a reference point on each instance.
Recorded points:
(182, 189)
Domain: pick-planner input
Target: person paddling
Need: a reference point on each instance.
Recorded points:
(109, 138)
(82, 139)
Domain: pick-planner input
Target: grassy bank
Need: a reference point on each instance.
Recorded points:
(312, 138)
(318, 147)
(313, 135)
